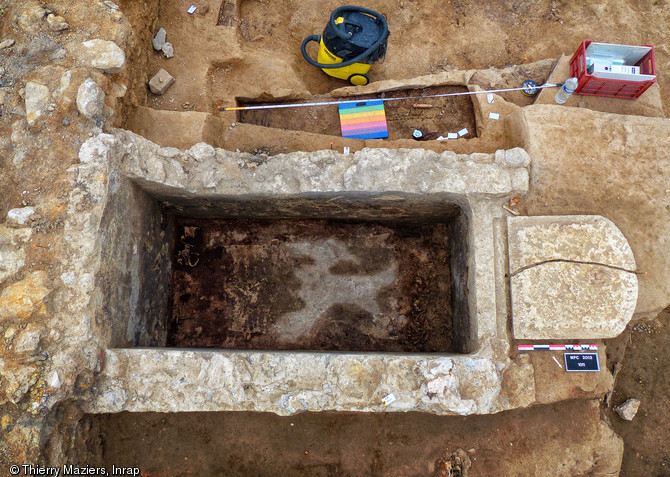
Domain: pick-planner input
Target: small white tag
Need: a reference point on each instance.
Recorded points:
(452, 136)
(441, 138)
(489, 98)
(388, 399)
(463, 132)
(494, 116)
(191, 9)
(346, 150)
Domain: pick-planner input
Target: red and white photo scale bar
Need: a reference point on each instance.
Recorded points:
(557, 347)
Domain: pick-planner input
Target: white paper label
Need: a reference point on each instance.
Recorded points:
(388, 399)
(494, 116)
(463, 132)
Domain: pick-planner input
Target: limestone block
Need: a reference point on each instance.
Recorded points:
(566, 300)
(160, 82)
(579, 238)
(571, 277)
(104, 55)
(90, 99)
(37, 102)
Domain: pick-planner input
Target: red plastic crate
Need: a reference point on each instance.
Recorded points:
(590, 85)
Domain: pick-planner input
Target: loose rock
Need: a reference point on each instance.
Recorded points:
(59, 54)
(90, 99)
(628, 409)
(23, 299)
(19, 217)
(168, 50)
(159, 39)
(56, 22)
(6, 43)
(105, 55)
(37, 102)
(161, 82)
(30, 20)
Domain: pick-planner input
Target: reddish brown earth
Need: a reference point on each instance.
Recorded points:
(234, 281)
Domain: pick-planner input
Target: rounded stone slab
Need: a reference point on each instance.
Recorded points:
(567, 300)
(574, 238)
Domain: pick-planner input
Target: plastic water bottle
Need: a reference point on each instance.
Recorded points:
(566, 90)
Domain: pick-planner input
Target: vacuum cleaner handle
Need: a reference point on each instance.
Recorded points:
(382, 38)
(339, 30)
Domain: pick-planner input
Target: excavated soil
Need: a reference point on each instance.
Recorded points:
(445, 114)
(536, 441)
(641, 354)
(311, 285)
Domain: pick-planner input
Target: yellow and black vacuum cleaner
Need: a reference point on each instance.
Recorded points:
(354, 38)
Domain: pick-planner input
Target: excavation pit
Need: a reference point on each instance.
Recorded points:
(314, 284)
(433, 116)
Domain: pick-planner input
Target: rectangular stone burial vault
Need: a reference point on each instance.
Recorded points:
(343, 222)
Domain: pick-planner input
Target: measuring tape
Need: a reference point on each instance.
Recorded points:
(558, 347)
(352, 101)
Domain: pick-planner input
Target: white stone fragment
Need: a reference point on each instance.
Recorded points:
(37, 102)
(56, 22)
(104, 55)
(168, 50)
(19, 217)
(90, 99)
(202, 151)
(159, 39)
(628, 409)
(53, 380)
